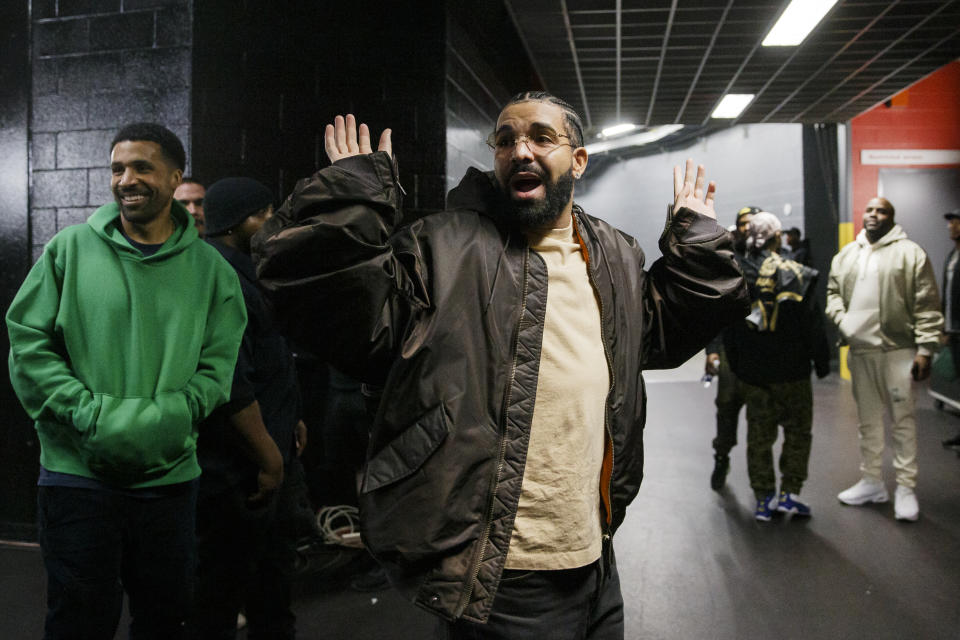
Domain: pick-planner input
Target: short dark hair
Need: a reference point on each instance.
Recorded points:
(190, 180)
(152, 132)
(572, 118)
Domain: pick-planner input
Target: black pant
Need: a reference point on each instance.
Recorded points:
(246, 560)
(98, 543)
(566, 604)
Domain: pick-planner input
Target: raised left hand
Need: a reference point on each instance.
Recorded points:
(688, 191)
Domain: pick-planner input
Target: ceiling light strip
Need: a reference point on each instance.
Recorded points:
(576, 62)
(732, 105)
(797, 22)
(869, 62)
(826, 64)
(879, 82)
(703, 62)
(663, 55)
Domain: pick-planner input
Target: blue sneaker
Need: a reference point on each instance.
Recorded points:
(765, 507)
(789, 504)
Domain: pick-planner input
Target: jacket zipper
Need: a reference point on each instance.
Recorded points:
(475, 572)
(608, 503)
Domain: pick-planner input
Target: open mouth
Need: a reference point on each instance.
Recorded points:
(526, 185)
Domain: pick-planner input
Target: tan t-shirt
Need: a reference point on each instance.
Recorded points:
(558, 517)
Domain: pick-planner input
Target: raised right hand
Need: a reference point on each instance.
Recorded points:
(344, 139)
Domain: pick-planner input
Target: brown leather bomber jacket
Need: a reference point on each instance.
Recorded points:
(446, 313)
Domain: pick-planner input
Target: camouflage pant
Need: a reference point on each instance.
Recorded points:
(730, 400)
(790, 405)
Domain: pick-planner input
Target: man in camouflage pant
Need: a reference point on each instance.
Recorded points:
(790, 405)
(771, 352)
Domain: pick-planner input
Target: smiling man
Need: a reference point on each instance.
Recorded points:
(883, 297)
(124, 336)
(508, 335)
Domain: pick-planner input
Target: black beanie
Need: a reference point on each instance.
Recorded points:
(229, 201)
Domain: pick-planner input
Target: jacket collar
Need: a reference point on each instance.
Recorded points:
(241, 262)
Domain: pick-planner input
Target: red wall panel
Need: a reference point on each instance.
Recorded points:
(924, 116)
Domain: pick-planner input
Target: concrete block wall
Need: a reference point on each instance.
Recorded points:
(97, 65)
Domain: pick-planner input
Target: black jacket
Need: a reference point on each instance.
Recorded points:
(265, 372)
(447, 314)
(792, 333)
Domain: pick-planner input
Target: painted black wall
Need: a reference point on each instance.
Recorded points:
(269, 76)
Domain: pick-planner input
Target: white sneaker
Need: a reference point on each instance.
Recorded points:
(905, 505)
(863, 492)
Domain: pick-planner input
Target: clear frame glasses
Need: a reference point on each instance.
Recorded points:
(542, 142)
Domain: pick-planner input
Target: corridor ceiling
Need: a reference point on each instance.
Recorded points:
(656, 62)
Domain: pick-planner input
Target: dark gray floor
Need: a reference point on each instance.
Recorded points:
(695, 564)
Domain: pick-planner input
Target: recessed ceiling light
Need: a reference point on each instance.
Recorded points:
(799, 19)
(732, 105)
(635, 140)
(617, 129)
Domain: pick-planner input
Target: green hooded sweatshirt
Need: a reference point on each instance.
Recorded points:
(118, 356)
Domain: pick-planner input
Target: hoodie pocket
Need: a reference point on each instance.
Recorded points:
(138, 439)
(861, 328)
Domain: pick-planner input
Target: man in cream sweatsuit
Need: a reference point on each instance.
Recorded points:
(883, 296)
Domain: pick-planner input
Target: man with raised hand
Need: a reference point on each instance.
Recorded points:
(508, 441)
(123, 337)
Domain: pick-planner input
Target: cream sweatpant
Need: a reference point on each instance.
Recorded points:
(882, 379)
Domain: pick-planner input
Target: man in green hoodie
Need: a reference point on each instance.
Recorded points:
(124, 336)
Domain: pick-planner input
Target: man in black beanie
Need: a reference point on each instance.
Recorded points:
(244, 556)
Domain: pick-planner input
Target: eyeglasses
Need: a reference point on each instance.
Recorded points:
(542, 142)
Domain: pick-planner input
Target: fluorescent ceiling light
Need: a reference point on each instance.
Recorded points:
(796, 22)
(636, 140)
(732, 105)
(617, 129)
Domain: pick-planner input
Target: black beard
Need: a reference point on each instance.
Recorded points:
(539, 214)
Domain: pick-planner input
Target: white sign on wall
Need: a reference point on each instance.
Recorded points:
(902, 157)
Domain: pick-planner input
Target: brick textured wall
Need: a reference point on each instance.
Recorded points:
(99, 64)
